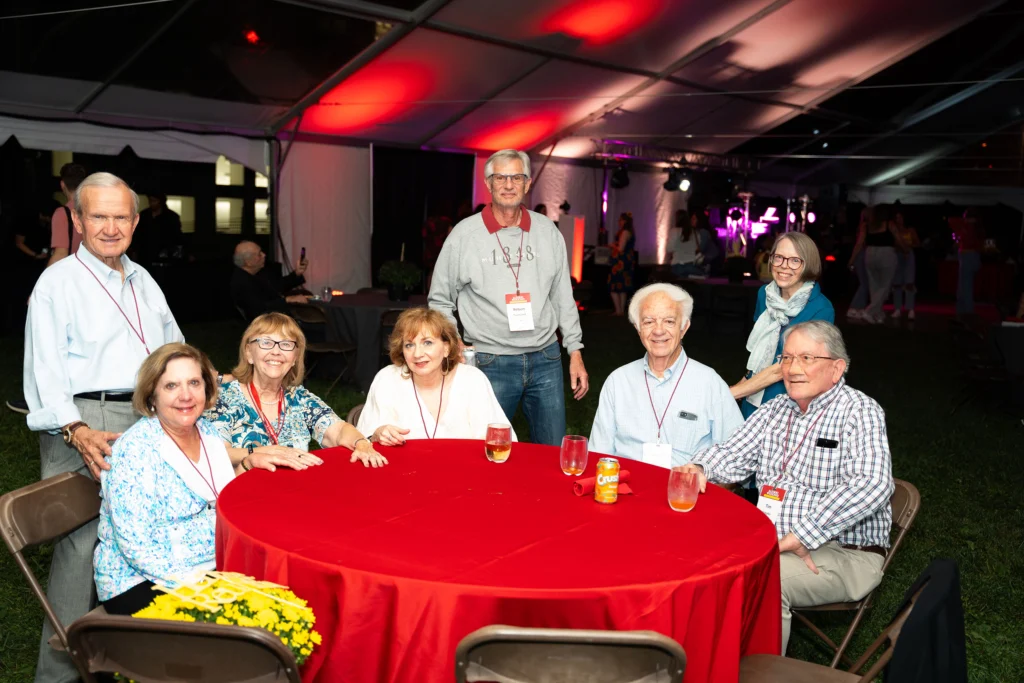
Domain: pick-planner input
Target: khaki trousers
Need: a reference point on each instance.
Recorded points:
(843, 576)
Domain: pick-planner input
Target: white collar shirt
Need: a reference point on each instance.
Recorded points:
(702, 411)
(77, 341)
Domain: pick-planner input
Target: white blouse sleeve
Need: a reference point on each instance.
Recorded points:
(370, 418)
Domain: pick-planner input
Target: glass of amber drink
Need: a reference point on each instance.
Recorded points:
(682, 490)
(498, 443)
(573, 457)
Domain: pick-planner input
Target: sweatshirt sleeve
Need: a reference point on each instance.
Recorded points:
(562, 298)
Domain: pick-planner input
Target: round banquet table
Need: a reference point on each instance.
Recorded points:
(400, 563)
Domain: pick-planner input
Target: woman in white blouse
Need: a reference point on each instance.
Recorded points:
(427, 392)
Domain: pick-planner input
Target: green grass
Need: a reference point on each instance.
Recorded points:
(966, 467)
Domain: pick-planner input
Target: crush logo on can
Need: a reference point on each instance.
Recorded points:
(604, 480)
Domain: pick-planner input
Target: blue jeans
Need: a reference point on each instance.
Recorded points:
(536, 379)
(970, 264)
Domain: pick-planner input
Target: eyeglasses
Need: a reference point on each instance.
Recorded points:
(99, 219)
(500, 178)
(806, 360)
(266, 343)
(794, 262)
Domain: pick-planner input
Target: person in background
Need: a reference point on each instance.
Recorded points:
(970, 238)
(904, 286)
(859, 303)
(159, 232)
(682, 249)
(707, 241)
(265, 405)
(820, 457)
(623, 263)
(666, 406)
(880, 242)
(64, 240)
(427, 392)
(507, 272)
(763, 249)
(253, 291)
(92, 320)
(793, 296)
(158, 513)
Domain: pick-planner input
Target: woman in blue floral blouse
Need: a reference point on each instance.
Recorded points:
(266, 403)
(166, 472)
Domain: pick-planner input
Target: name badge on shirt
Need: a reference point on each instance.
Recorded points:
(659, 454)
(770, 502)
(520, 312)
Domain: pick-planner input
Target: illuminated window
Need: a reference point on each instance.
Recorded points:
(59, 159)
(262, 211)
(228, 215)
(186, 208)
(261, 180)
(228, 173)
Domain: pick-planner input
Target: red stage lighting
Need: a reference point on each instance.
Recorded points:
(519, 134)
(252, 37)
(375, 94)
(601, 21)
(830, 258)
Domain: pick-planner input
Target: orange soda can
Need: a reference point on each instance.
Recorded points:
(607, 488)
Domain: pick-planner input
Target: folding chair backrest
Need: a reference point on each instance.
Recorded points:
(158, 651)
(906, 502)
(890, 634)
(353, 415)
(41, 512)
(308, 314)
(541, 655)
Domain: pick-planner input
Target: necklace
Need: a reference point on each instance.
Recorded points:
(419, 405)
(272, 430)
(202, 445)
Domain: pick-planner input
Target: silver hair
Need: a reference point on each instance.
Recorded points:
(825, 333)
(104, 180)
(242, 257)
(674, 292)
(507, 155)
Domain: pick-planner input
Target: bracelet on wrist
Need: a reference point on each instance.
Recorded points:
(362, 438)
(245, 466)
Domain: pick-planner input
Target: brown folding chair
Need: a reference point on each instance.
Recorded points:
(776, 669)
(313, 316)
(39, 513)
(159, 651)
(550, 655)
(905, 501)
(353, 415)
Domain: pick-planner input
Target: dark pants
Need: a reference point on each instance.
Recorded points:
(535, 379)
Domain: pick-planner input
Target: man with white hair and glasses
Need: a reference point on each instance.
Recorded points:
(821, 458)
(506, 271)
(665, 407)
(93, 318)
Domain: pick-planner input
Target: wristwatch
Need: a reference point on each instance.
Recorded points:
(69, 430)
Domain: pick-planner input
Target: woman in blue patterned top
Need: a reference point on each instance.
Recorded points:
(793, 296)
(266, 403)
(159, 495)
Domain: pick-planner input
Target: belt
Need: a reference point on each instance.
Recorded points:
(876, 549)
(119, 396)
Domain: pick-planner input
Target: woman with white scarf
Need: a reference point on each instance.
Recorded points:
(793, 296)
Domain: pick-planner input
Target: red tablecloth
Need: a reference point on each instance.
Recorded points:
(400, 563)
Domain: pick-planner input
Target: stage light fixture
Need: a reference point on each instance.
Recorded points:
(672, 184)
(811, 217)
(684, 181)
(736, 214)
(620, 178)
(792, 217)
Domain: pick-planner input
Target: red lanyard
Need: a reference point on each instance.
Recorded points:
(508, 260)
(671, 396)
(271, 431)
(139, 332)
(202, 445)
(790, 453)
(440, 400)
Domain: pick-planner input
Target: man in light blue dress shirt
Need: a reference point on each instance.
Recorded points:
(665, 407)
(92, 319)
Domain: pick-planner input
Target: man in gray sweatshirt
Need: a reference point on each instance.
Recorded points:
(505, 269)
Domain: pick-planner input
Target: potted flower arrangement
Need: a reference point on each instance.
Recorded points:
(401, 278)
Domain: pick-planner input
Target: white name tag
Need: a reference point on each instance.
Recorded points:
(659, 454)
(770, 502)
(520, 312)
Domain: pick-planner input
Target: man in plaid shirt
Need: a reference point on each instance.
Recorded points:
(821, 459)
